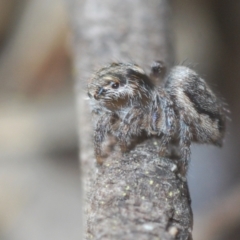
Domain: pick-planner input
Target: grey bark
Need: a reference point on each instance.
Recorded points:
(137, 195)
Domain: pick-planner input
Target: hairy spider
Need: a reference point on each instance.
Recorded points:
(127, 104)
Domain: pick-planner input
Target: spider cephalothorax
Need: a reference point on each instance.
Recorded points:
(126, 103)
(119, 85)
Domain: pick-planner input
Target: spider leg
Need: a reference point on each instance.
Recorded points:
(163, 120)
(168, 130)
(103, 126)
(158, 70)
(184, 144)
(131, 126)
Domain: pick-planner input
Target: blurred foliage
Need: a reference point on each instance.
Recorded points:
(38, 136)
(35, 56)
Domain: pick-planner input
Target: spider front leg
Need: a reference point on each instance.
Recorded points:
(131, 126)
(103, 126)
(184, 144)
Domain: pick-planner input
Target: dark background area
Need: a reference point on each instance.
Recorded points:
(39, 173)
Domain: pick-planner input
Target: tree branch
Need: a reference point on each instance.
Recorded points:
(138, 194)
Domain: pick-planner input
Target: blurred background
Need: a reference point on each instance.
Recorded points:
(39, 172)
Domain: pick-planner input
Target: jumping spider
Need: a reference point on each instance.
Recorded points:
(128, 104)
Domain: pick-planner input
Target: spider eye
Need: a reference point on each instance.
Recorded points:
(114, 85)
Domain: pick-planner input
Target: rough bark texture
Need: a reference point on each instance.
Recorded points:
(137, 195)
